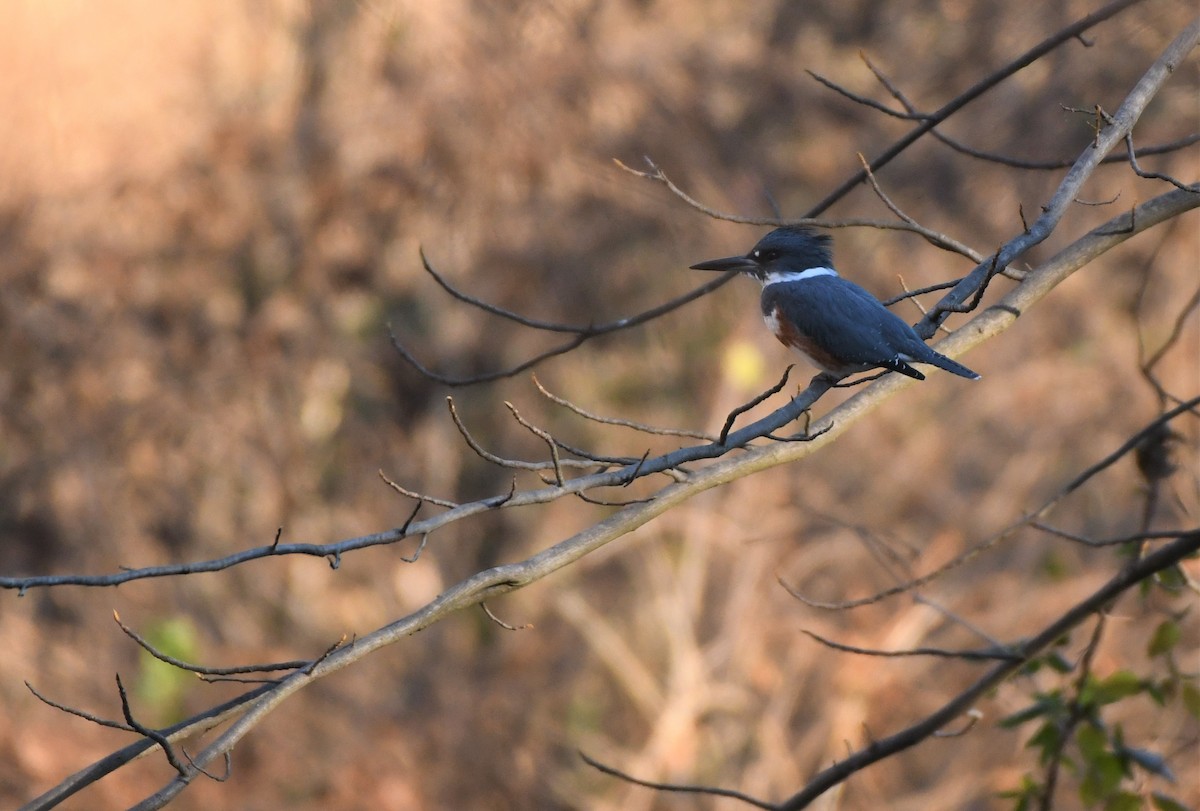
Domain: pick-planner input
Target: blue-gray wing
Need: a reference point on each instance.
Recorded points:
(844, 321)
(845, 329)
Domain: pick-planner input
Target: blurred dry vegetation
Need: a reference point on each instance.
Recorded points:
(209, 213)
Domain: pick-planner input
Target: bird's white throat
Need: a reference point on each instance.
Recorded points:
(780, 276)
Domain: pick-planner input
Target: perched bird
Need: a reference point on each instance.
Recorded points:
(837, 325)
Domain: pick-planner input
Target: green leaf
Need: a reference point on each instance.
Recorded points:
(1166, 637)
(160, 686)
(1044, 704)
(1048, 739)
(1191, 699)
(1164, 803)
(1025, 796)
(1104, 774)
(1123, 801)
(1058, 663)
(1092, 741)
(1022, 716)
(1159, 692)
(1172, 578)
(1109, 690)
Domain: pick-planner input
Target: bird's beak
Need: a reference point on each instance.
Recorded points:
(740, 263)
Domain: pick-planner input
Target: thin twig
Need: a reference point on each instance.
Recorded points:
(152, 734)
(1026, 520)
(637, 426)
(988, 655)
(541, 434)
(515, 464)
(1131, 154)
(208, 671)
(581, 333)
(87, 716)
(970, 94)
(711, 791)
(1136, 537)
(413, 494)
(501, 622)
(744, 407)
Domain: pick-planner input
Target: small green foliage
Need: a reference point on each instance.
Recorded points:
(1071, 734)
(1172, 579)
(1026, 796)
(1164, 803)
(1048, 739)
(1110, 690)
(1044, 704)
(160, 687)
(1058, 663)
(1165, 638)
(1123, 801)
(1190, 694)
(1054, 567)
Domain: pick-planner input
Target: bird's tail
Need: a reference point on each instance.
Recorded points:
(952, 366)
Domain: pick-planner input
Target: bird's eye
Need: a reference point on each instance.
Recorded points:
(767, 255)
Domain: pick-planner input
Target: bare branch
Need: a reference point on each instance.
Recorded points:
(1176, 331)
(254, 705)
(1131, 153)
(877, 750)
(1027, 520)
(979, 88)
(983, 326)
(581, 333)
(909, 115)
(931, 236)
(87, 716)
(637, 426)
(1137, 537)
(208, 671)
(516, 464)
(501, 622)
(988, 655)
(912, 113)
(421, 498)
(675, 788)
(152, 734)
(550, 443)
(1106, 138)
(742, 409)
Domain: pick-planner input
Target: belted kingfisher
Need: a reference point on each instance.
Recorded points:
(836, 325)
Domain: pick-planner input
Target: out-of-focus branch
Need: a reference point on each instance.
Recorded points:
(979, 88)
(1030, 519)
(877, 750)
(972, 286)
(911, 113)
(934, 238)
(581, 333)
(1012, 660)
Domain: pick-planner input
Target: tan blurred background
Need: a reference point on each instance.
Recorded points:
(209, 213)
